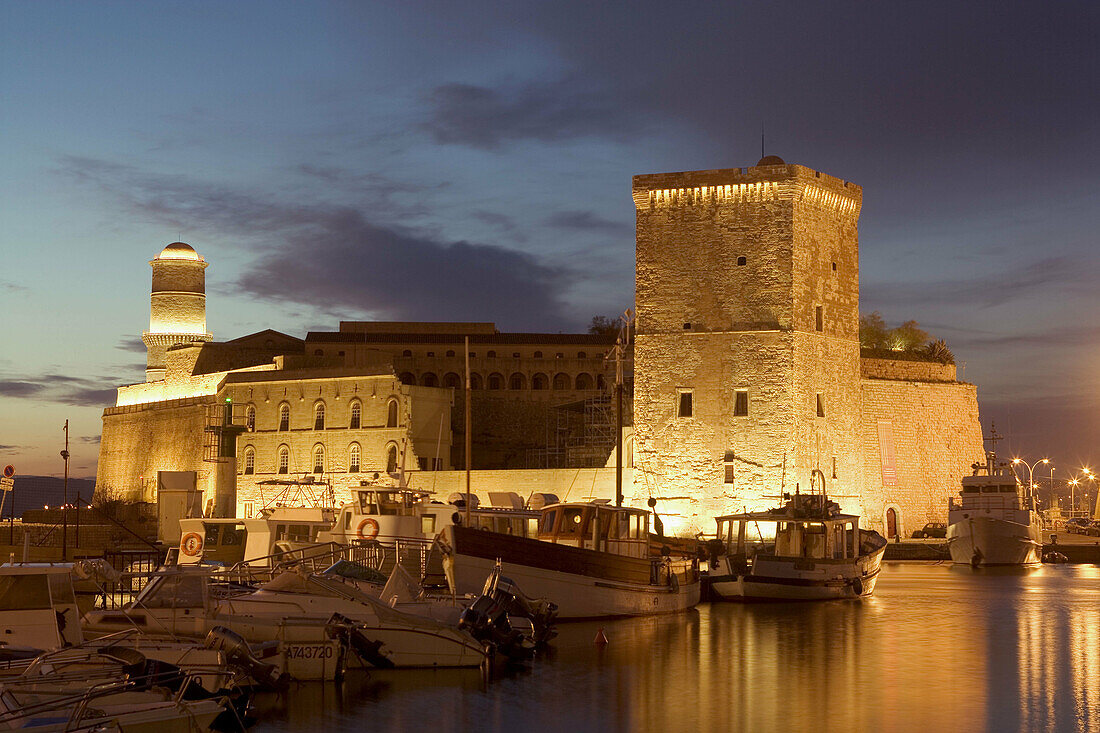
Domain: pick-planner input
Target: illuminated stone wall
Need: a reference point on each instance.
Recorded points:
(732, 267)
(935, 436)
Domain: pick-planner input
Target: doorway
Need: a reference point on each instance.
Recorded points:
(891, 523)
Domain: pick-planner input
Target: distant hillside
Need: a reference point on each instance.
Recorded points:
(35, 492)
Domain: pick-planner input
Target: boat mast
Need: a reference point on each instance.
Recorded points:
(468, 441)
(624, 335)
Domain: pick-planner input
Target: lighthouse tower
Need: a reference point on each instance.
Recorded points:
(177, 305)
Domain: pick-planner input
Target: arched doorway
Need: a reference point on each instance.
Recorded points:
(891, 523)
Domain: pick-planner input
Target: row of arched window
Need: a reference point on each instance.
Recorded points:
(496, 380)
(355, 415)
(355, 459)
(489, 354)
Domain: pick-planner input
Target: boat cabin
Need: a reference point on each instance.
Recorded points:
(38, 607)
(228, 541)
(818, 538)
(999, 491)
(597, 526)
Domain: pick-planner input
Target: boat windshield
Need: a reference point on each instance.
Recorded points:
(178, 590)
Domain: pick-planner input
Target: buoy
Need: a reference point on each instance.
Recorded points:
(601, 638)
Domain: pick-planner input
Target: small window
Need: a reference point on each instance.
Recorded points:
(741, 403)
(559, 355)
(820, 405)
(284, 459)
(473, 354)
(538, 354)
(391, 458)
(319, 459)
(284, 416)
(730, 473)
(406, 352)
(250, 418)
(354, 456)
(742, 261)
(249, 509)
(687, 326)
(450, 353)
(685, 406)
(431, 353)
(318, 352)
(319, 416)
(819, 319)
(582, 355)
(249, 460)
(491, 354)
(391, 414)
(356, 415)
(515, 354)
(834, 267)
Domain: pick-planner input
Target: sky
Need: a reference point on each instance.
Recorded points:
(473, 161)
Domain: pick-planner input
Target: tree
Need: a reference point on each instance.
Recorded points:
(909, 336)
(872, 331)
(604, 326)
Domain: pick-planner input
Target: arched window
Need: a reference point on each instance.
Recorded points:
(318, 352)
(249, 460)
(475, 380)
(406, 352)
(450, 379)
(250, 418)
(407, 378)
(355, 455)
(584, 381)
(491, 354)
(582, 355)
(391, 458)
(540, 381)
(284, 416)
(428, 379)
(450, 352)
(391, 413)
(496, 381)
(318, 458)
(356, 415)
(517, 381)
(538, 354)
(284, 459)
(319, 416)
(562, 381)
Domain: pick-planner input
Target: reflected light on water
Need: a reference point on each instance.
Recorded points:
(938, 648)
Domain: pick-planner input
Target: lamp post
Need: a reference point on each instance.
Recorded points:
(1072, 496)
(1030, 475)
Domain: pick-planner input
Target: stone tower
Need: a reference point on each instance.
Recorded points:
(177, 305)
(747, 371)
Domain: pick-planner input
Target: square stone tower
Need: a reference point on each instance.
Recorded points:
(747, 371)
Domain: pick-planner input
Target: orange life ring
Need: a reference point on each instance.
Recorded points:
(191, 544)
(371, 527)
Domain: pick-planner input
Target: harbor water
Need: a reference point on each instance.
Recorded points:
(938, 648)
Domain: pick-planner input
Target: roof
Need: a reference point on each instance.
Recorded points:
(179, 251)
(345, 337)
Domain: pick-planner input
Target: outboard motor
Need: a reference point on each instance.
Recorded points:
(351, 636)
(487, 618)
(240, 655)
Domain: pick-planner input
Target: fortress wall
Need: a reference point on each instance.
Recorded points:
(905, 369)
(936, 436)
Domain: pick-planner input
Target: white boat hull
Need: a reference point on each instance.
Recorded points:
(988, 541)
(795, 579)
(579, 596)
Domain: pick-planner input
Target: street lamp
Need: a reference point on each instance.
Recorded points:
(1030, 477)
(1072, 496)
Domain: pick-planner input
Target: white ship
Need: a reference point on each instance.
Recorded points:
(992, 521)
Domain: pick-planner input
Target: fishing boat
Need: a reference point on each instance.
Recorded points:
(805, 550)
(992, 521)
(592, 559)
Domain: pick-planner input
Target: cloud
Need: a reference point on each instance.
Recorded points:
(340, 261)
(485, 118)
(62, 389)
(10, 447)
(586, 221)
(88, 439)
(10, 287)
(501, 222)
(988, 290)
(131, 344)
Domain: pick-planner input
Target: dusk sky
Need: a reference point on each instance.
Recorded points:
(473, 161)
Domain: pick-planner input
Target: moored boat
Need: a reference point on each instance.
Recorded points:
(992, 521)
(807, 550)
(591, 559)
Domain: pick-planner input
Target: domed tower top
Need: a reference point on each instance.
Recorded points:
(179, 251)
(766, 160)
(177, 306)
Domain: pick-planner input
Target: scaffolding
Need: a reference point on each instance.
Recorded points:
(578, 435)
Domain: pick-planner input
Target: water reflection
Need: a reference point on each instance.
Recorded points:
(937, 648)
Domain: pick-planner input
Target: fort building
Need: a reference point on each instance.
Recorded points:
(746, 381)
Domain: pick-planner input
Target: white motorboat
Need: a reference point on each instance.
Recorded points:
(807, 550)
(992, 521)
(295, 609)
(592, 559)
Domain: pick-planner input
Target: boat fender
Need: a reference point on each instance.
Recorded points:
(673, 583)
(191, 544)
(368, 529)
(857, 586)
